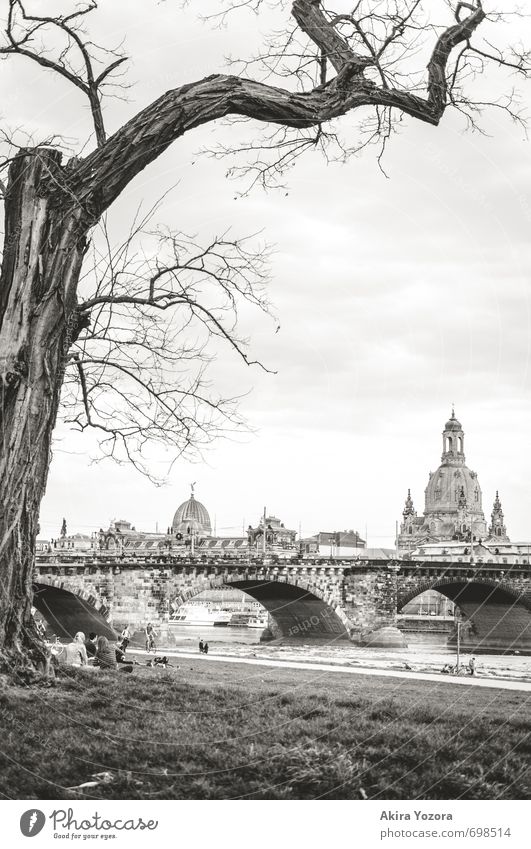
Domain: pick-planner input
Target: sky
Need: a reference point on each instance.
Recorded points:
(397, 296)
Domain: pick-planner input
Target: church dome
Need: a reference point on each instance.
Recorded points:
(453, 423)
(446, 485)
(192, 515)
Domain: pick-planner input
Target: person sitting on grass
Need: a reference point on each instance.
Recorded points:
(159, 661)
(126, 665)
(90, 644)
(105, 656)
(75, 653)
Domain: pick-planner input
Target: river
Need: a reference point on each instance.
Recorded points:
(188, 636)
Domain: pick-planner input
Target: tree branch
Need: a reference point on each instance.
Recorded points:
(90, 86)
(460, 32)
(100, 178)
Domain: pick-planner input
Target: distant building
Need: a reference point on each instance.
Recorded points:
(334, 544)
(122, 538)
(480, 551)
(453, 501)
(278, 538)
(67, 543)
(189, 532)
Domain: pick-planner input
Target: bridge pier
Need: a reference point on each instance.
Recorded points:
(370, 602)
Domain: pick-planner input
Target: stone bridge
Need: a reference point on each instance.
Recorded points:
(356, 600)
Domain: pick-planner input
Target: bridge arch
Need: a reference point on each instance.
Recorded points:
(68, 608)
(298, 608)
(499, 615)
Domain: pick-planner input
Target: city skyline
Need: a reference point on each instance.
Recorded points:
(235, 529)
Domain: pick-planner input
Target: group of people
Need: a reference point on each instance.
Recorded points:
(99, 652)
(203, 647)
(470, 668)
(93, 651)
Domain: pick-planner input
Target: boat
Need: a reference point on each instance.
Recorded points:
(259, 621)
(201, 615)
(249, 620)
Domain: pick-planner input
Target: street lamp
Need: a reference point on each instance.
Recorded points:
(459, 624)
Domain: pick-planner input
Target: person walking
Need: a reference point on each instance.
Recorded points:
(472, 665)
(201, 646)
(150, 638)
(205, 648)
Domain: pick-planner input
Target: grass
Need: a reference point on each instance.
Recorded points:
(212, 730)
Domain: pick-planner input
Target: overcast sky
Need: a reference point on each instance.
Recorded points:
(395, 296)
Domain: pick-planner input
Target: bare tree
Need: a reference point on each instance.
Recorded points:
(370, 57)
(158, 308)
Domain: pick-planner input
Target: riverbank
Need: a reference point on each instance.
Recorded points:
(400, 670)
(423, 659)
(213, 729)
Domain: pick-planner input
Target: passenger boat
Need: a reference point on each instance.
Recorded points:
(201, 615)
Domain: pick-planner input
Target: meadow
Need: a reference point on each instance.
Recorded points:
(211, 730)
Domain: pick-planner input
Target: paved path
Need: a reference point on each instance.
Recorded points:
(466, 681)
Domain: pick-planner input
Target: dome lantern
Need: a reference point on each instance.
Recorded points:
(453, 441)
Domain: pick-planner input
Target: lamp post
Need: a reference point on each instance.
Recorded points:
(264, 540)
(459, 624)
(458, 659)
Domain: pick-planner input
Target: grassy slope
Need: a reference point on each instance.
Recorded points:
(216, 730)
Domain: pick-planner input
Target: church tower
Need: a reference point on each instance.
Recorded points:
(409, 509)
(453, 500)
(497, 529)
(453, 496)
(409, 524)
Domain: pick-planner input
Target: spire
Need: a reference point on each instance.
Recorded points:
(409, 509)
(63, 528)
(192, 487)
(497, 527)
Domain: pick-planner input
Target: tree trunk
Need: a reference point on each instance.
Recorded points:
(43, 251)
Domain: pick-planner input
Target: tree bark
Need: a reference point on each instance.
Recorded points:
(43, 252)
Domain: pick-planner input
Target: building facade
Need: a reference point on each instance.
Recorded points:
(453, 508)
(334, 544)
(190, 533)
